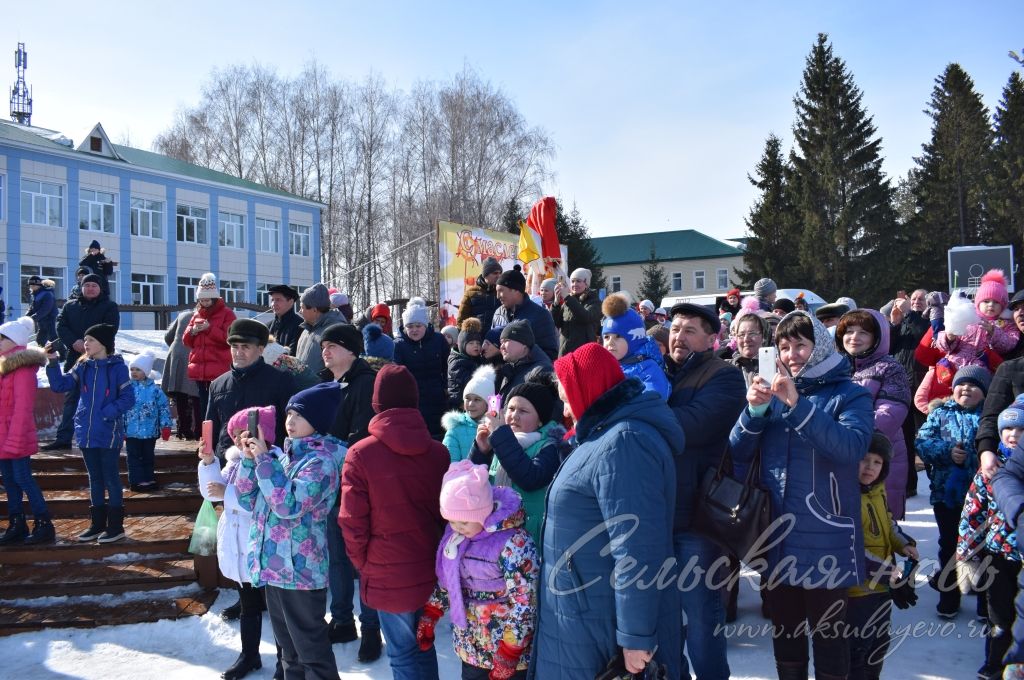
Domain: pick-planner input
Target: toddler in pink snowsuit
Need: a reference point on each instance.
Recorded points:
(990, 331)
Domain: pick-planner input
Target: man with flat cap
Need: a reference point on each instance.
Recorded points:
(707, 397)
(830, 314)
(286, 324)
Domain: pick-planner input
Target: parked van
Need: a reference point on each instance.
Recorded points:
(714, 302)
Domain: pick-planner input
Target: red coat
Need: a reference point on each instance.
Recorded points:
(18, 371)
(209, 354)
(390, 510)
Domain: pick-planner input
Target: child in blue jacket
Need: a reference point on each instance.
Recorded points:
(148, 419)
(105, 396)
(625, 336)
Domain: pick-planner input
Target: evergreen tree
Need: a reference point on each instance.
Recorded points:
(770, 250)
(574, 235)
(511, 216)
(654, 284)
(1007, 204)
(953, 177)
(843, 200)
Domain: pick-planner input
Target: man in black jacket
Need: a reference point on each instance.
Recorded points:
(93, 307)
(517, 306)
(285, 326)
(341, 344)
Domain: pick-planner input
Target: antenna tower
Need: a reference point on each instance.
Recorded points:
(21, 96)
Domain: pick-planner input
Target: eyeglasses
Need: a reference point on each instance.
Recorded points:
(748, 336)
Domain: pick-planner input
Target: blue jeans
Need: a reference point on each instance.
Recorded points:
(104, 475)
(66, 429)
(703, 608)
(407, 661)
(341, 578)
(17, 476)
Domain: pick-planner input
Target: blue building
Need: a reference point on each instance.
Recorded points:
(165, 222)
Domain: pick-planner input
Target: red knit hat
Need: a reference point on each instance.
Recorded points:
(586, 374)
(394, 388)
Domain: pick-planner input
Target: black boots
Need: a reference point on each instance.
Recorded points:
(341, 632)
(250, 626)
(56, 446)
(370, 646)
(793, 670)
(115, 526)
(42, 531)
(16, 531)
(98, 525)
(232, 612)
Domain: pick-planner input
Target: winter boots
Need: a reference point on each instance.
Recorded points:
(42, 531)
(98, 513)
(370, 646)
(115, 526)
(16, 531)
(793, 670)
(342, 632)
(250, 626)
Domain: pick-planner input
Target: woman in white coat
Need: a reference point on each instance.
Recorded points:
(217, 484)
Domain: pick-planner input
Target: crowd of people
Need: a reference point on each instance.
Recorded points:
(530, 471)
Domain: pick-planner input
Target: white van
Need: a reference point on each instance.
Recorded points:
(714, 301)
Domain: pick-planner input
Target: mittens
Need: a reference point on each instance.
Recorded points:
(165, 433)
(425, 627)
(903, 595)
(505, 661)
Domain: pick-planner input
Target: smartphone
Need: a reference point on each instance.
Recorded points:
(254, 422)
(50, 347)
(207, 436)
(767, 363)
(494, 404)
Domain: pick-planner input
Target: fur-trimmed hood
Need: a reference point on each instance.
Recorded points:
(454, 418)
(21, 357)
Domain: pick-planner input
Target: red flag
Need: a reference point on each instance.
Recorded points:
(542, 219)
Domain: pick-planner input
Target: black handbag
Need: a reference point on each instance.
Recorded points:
(733, 513)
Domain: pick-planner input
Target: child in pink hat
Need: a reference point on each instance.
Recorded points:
(487, 553)
(991, 331)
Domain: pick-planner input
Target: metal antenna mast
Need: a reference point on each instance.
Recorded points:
(21, 96)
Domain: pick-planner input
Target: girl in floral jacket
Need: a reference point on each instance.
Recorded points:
(487, 569)
(291, 498)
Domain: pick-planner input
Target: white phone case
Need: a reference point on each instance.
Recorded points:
(767, 363)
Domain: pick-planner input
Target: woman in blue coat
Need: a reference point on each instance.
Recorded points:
(812, 425)
(608, 528)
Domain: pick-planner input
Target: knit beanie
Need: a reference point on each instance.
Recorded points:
(104, 333)
(881, 446)
(648, 305)
(338, 299)
(318, 405)
(416, 312)
(490, 266)
(95, 244)
(206, 290)
(975, 375)
(785, 305)
(316, 297)
(493, 336)
(248, 331)
(581, 274)
(143, 362)
(586, 374)
(520, 331)
(345, 335)
(471, 332)
(540, 391)
(848, 301)
(267, 421)
(394, 388)
(92, 278)
(733, 291)
(764, 287)
(19, 330)
(548, 285)
(1011, 416)
(380, 309)
(83, 271)
(451, 334)
(514, 279)
(624, 322)
(993, 287)
(376, 343)
(659, 333)
(35, 280)
(466, 494)
(482, 383)
(725, 318)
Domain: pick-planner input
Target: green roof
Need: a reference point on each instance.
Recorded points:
(685, 244)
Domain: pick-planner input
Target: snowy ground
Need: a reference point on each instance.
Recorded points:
(196, 648)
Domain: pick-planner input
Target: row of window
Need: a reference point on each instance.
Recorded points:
(42, 203)
(148, 289)
(699, 276)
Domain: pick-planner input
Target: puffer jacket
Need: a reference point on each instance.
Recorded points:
(77, 315)
(1007, 384)
(150, 413)
(390, 515)
(460, 370)
(578, 320)
(290, 499)
(175, 377)
(459, 435)
(983, 524)
(105, 396)
(427, 360)
(948, 425)
(209, 353)
(1008, 487)
(259, 384)
(479, 300)
(883, 539)
(649, 367)
(490, 583)
(18, 369)
(622, 467)
(43, 311)
(810, 457)
(887, 382)
(540, 320)
(308, 349)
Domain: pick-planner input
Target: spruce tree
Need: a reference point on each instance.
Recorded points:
(574, 235)
(843, 200)
(654, 284)
(953, 177)
(1007, 203)
(770, 249)
(511, 216)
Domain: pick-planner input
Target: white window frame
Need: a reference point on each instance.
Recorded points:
(46, 198)
(268, 238)
(616, 284)
(230, 230)
(151, 286)
(699, 279)
(233, 291)
(300, 239)
(187, 289)
(57, 274)
(263, 294)
(93, 207)
(153, 212)
(722, 276)
(677, 282)
(192, 219)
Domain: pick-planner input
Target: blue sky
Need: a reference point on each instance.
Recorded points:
(658, 110)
